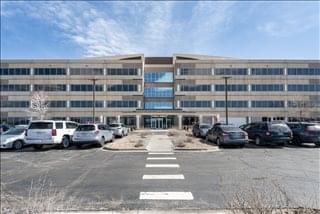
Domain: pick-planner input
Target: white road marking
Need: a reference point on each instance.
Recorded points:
(154, 177)
(166, 196)
(161, 158)
(160, 153)
(162, 165)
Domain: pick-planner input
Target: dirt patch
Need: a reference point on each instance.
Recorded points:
(184, 140)
(134, 141)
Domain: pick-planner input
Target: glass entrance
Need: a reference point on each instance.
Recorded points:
(158, 123)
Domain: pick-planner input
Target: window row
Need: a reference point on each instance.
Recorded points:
(267, 87)
(160, 76)
(232, 87)
(304, 104)
(52, 87)
(231, 71)
(49, 71)
(82, 87)
(158, 105)
(86, 71)
(304, 71)
(122, 87)
(267, 71)
(195, 104)
(303, 87)
(85, 104)
(267, 104)
(14, 71)
(14, 87)
(195, 71)
(195, 88)
(14, 104)
(122, 104)
(122, 71)
(158, 92)
(231, 104)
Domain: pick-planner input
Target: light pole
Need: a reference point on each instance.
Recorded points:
(226, 96)
(93, 99)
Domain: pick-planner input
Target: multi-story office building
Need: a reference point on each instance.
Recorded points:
(162, 92)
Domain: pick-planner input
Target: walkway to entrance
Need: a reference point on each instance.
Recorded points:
(159, 143)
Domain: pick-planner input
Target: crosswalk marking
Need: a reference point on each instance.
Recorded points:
(161, 158)
(160, 153)
(162, 166)
(166, 196)
(160, 177)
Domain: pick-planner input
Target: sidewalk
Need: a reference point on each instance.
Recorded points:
(159, 143)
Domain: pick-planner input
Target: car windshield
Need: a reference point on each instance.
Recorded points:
(205, 126)
(230, 129)
(114, 125)
(41, 125)
(279, 127)
(85, 128)
(313, 127)
(14, 131)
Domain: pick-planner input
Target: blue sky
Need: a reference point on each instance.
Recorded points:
(285, 30)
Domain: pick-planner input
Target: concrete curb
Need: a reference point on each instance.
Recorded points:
(124, 150)
(184, 211)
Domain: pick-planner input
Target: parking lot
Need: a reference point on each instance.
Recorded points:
(114, 180)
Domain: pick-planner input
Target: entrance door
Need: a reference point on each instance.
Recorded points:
(157, 123)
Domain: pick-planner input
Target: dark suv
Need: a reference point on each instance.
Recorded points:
(304, 132)
(269, 132)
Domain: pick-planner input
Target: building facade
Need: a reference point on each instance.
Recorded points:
(162, 92)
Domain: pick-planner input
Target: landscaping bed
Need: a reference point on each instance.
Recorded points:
(134, 141)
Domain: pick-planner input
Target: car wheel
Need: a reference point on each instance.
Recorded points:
(282, 144)
(65, 143)
(257, 140)
(102, 142)
(317, 145)
(241, 145)
(79, 146)
(218, 142)
(207, 138)
(37, 147)
(297, 141)
(17, 145)
(112, 138)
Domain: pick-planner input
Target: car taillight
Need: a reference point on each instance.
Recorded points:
(54, 132)
(26, 133)
(96, 132)
(225, 134)
(268, 133)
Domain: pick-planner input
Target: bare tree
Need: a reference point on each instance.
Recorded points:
(300, 108)
(39, 105)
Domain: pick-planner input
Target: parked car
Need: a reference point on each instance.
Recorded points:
(4, 128)
(304, 132)
(92, 134)
(227, 135)
(274, 132)
(13, 138)
(118, 129)
(200, 129)
(50, 132)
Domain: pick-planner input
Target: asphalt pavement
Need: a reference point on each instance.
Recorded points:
(177, 180)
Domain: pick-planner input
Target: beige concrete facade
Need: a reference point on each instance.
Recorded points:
(179, 61)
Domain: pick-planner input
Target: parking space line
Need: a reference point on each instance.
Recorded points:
(161, 158)
(166, 196)
(162, 166)
(163, 177)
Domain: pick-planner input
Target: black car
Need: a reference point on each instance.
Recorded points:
(269, 132)
(304, 132)
(227, 135)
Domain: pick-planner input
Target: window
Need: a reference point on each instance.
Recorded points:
(267, 104)
(160, 76)
(304, 104)
(231, 71)
(196, 71)
(57, 87)
(14, 71)
(231, 104)
(102, 127)
(71, 125)
(84, 87)
(86, 128)
(304, 71)
(59, 125)
(195, 104)
(158, 92)
(267, 87)
(14, 87)
(122, 104)
(158, 105)
(14, 104)
(195, 88)
(231, 87)
(57, 104)
(85, 104)
(122, 87)
(41, 125)
(267, 71)
(86, 71)
(49, 71)
(122, 71)
(303, 87)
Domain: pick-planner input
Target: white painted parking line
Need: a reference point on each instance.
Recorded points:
(166, 196)
(161, 158)
(160, 177)
(162, 166)
(160, 153)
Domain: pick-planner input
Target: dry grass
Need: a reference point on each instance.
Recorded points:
(180, 145)
(139, 144)
(268, 198)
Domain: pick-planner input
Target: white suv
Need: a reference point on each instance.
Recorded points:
(50, 132)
